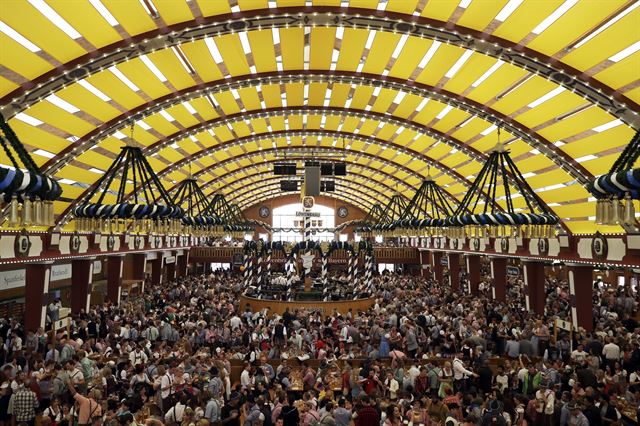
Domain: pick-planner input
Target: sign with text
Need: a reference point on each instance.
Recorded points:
(60, 272)
(97, 267)
(169, 259)
(308, 214)
(513, 271)
(13, 279)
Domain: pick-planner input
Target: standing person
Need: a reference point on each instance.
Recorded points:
(23, 404)
(89, 411)
(460, 373)
(342, 414)
(230, 414)
(577, 418)
(367, 415)
(290, 414)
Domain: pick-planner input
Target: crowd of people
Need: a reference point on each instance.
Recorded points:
(421, 355)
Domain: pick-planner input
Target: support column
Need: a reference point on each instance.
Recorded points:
(156, 270)
(473, 271)
(139, 269)
(454, 271)
(81, 279)
(534, 286)
(425, 262)
(183, 261)
(114, 278)
(499, 275)
(437, 266)
(36, 294)
(171, 268)
(581, 295)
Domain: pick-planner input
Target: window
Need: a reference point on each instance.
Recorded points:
(344, 237)
(285, 218)
(379, 238)
(386, 266)
(215, 266)
(263, 236)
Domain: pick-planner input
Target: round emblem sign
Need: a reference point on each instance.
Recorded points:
(22, 244)
(543, 246)
(504, 244)
(264, 211)
(343, 211)
(111, 242)
(476, 244)
(599, 246)
(308, 202)
(74, 244)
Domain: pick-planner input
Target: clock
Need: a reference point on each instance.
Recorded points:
(343, 212)
(264, 211)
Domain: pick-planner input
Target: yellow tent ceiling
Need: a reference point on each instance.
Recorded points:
(397, 88)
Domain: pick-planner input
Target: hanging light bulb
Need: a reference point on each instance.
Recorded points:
(606, 212)
(27, 216)
(629, 210)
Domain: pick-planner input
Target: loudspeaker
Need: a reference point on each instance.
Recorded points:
(340, 169)
(288, 185)
(312, 180)
(326, 169)
(327, 186)
(290, 169)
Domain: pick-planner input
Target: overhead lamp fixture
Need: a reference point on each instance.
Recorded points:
(18, 38)
(557, 14)
(507, 10)
(370, 38)
(104, 12)
(607, 126)
(150, 8)
(400, 46)
(144, 125)
(444, 112)
(182, 58)
(585, 158)
(167, 116)
(382, 5)
(57, 20)
(213, 49)
(28, 119)
(626, 52)
(603, 26)
(459, 63)
(488, 130)
(119, 135)
(430, 52)
(464, 4)
(488, 73)
(97, 171)
(153, 68)
(189, 108)
(67, 181)
(120, 76)
(422, 104)
(91, 88)
(43, 153)
(555, 92)
(62, 104)
(514, 86)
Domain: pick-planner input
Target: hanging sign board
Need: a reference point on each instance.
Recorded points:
(169, 259)
(513, 271)
(308, 214)
(13, 279)
(60, 272)
(97, 267)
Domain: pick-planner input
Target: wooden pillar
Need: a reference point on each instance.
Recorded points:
(581, 295)
(499, 275)
(437, 266)
(139, 266)
(425, 261)
(81, 280)
(36, 294)
(454, 271)
(183, 261)
(473, 271)
(171, 266)
(534, 286)
(114, 278)
(156, 270)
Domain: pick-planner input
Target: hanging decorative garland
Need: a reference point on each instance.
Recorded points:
(621, 183)
(29, 192)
